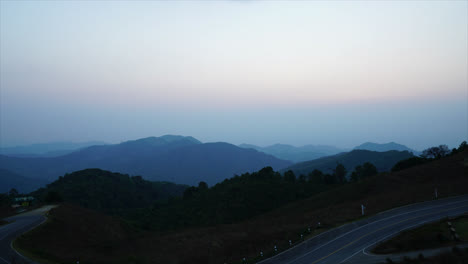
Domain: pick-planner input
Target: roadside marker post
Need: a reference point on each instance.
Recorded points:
(362, 209)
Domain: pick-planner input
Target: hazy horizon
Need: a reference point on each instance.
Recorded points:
(257, 72)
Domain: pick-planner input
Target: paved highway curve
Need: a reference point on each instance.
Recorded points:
(347, 243)
(18, 225)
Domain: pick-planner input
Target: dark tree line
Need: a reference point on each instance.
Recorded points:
(428, 155)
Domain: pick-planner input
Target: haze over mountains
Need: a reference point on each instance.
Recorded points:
(176, 159)
(53, 149)
(311, 152)
(179, 159)
(10, 180)
(296, 154)
(386, 147)
(383, 161)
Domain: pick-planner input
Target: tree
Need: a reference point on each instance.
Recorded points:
(202, 185)
(13, 192)
(53, 197)
(289, 176)
(189, 192)
(356, 174)
(340, 173)
(366, 170)
(369, 170)
(302, 178)
(463, 146)
(436, 152)
(316, 176)
(329, 179)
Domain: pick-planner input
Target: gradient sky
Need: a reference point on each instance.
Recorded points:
(260, 72)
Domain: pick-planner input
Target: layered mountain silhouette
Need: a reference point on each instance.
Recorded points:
(171, 158)
(296, 154)
(385, 147)
(10, 180)
(384, 161)
(53, 149)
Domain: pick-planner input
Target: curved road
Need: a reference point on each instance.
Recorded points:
(347, 244)
(18, 224)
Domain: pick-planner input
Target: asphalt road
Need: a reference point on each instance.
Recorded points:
(347, 244)
(18, 225)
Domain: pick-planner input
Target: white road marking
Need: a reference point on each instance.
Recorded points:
(5, 260)
(366, 225)
(350, 256)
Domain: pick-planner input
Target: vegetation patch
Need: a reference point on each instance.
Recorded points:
(91, 236)
(456, 255)
(461, 226)
(428, 236)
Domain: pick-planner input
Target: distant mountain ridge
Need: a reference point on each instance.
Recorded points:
(296, 154)
(53, 149)
(385, 147)
(178, 159)
(384, 161)
(10, 180)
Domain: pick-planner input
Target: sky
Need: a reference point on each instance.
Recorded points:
(262, 72)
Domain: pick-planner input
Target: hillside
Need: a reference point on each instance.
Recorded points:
(146, 204)
(229, 243)
(109, 192)
(177, 159)
(296, 154)
(385, 147)
(384, 161)
(9, 180)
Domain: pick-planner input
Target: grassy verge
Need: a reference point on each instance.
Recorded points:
(461, 226)
(455, 256)
(37, 255)
(433, 235)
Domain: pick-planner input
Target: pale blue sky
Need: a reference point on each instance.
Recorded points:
(261, 72)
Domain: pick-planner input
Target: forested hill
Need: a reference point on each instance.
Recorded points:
(107, 191)
(384, 161)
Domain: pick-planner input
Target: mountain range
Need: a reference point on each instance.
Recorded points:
(9, 180)
(53, 149)
(384, 161)
(296, 154)
(386, 147)
(177, 159)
